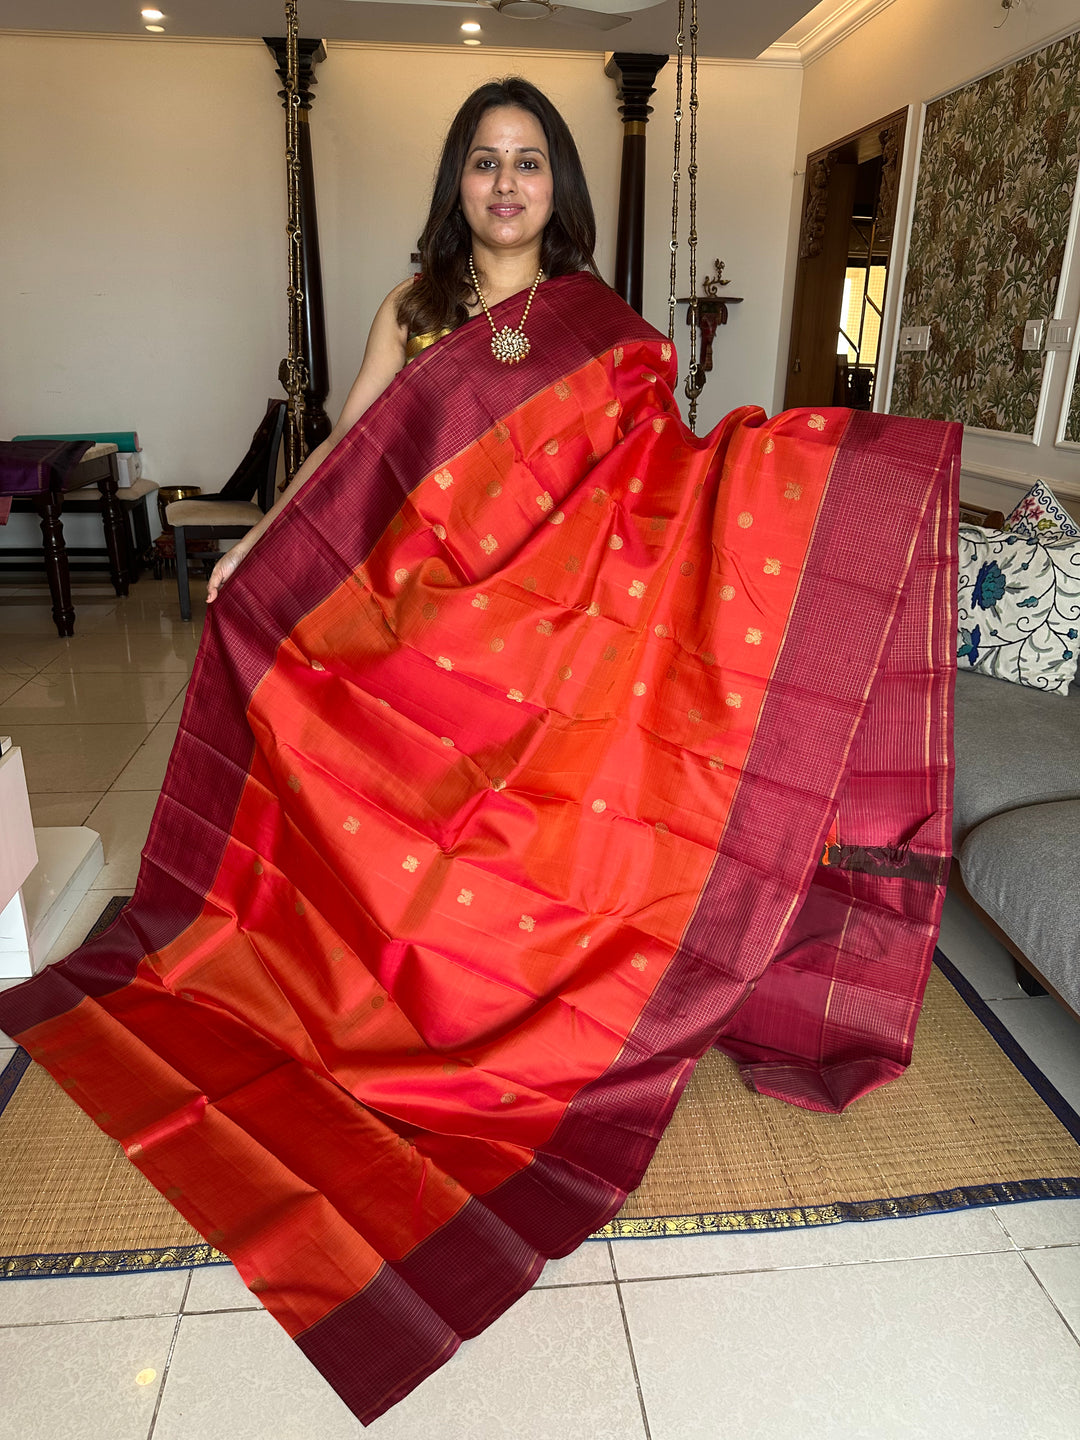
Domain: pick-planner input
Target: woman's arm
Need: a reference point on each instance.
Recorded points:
(384, 356)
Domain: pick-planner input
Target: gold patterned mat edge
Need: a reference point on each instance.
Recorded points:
(624, 1226)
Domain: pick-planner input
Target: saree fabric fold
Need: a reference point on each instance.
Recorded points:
(539, 746)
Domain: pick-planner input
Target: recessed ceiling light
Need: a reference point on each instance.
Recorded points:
(156, 29)
(470, 42)
(471, 27)
(152, 14)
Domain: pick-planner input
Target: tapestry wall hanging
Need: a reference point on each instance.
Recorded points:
(995, 191)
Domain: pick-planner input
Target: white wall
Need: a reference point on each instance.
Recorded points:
(907, 54)
(746, 155)
(143, 212)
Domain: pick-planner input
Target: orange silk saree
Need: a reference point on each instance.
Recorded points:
(539, 746)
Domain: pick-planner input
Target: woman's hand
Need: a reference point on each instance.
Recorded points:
(224, 570)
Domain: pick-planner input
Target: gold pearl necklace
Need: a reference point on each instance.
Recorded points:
(509, 346)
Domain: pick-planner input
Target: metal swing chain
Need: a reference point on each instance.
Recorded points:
(694, 382)
(294, 372)
(675, 174)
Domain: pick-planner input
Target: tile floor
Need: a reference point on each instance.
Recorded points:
(963, 1325)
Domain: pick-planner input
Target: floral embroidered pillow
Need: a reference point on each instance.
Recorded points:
(1019, 607)
(1041, 516)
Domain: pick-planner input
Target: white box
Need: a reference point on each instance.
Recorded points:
(128, 468)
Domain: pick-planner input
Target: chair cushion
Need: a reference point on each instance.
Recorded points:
(126, 494)
(210, 512)
(1023, 868)
(1014, 746)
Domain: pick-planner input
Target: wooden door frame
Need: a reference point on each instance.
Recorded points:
(829, 186)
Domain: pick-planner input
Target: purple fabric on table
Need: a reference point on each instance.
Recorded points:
(27, 467)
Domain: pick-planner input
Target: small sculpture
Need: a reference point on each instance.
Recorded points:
(712, 311)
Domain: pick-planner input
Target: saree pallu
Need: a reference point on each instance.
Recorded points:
(508, 773)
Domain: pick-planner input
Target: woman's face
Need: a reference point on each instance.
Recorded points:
(507, 194)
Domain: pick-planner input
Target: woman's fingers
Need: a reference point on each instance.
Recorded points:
(221, 572)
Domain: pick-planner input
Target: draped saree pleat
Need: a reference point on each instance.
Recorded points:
(539, 746)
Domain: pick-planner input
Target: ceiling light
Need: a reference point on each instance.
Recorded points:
(156, 29)
(471, 27)
(152, 14)
(470, 42)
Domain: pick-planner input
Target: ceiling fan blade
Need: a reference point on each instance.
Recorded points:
(587, 19)
(609, 13)
(609, 7)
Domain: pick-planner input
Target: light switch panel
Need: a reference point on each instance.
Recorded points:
(1058, 335)
(914, 337)
(1033, 335)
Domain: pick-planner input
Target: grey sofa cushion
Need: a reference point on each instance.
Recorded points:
(1014, 746)
(1023, 868)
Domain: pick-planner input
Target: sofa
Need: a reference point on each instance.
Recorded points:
(1016, 826)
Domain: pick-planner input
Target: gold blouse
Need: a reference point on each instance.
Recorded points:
(417, 343)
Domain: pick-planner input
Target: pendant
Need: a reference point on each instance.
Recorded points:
(509, 346)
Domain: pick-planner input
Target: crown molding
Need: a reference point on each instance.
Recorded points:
(777, 56)
(848, 16)
(127, 35)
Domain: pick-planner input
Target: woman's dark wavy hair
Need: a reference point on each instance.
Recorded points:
(439, 299)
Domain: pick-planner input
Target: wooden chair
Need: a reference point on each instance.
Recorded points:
(231, 512)
(980, 515)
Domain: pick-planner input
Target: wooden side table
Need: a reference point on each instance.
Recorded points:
(97, 468)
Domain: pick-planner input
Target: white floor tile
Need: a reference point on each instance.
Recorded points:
(146, 769)
(1059, 1274)
(588, 1265)
(554, 1367)
(60, 759)
(10, 685)
(961, 1232)
(122, 819)
(980, 958)
(6, 1040)
(241, 1376)
(91, 1297)
(966, 1347)
(31, 617)
(19, 656)
(57, 698)
(218, 1287)
(1049, 1036)
(83, 1381)
(122, 651)
(176, 709)
(1042, 1222)
(71, 809)
(79, 926)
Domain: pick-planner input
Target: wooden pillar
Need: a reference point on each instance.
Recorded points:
(317, 423)
(634, 76)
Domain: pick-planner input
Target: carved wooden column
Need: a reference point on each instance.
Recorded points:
(316, 421)
(634, 76)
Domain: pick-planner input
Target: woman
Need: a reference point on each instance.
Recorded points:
(510, 199)
(503, 776)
